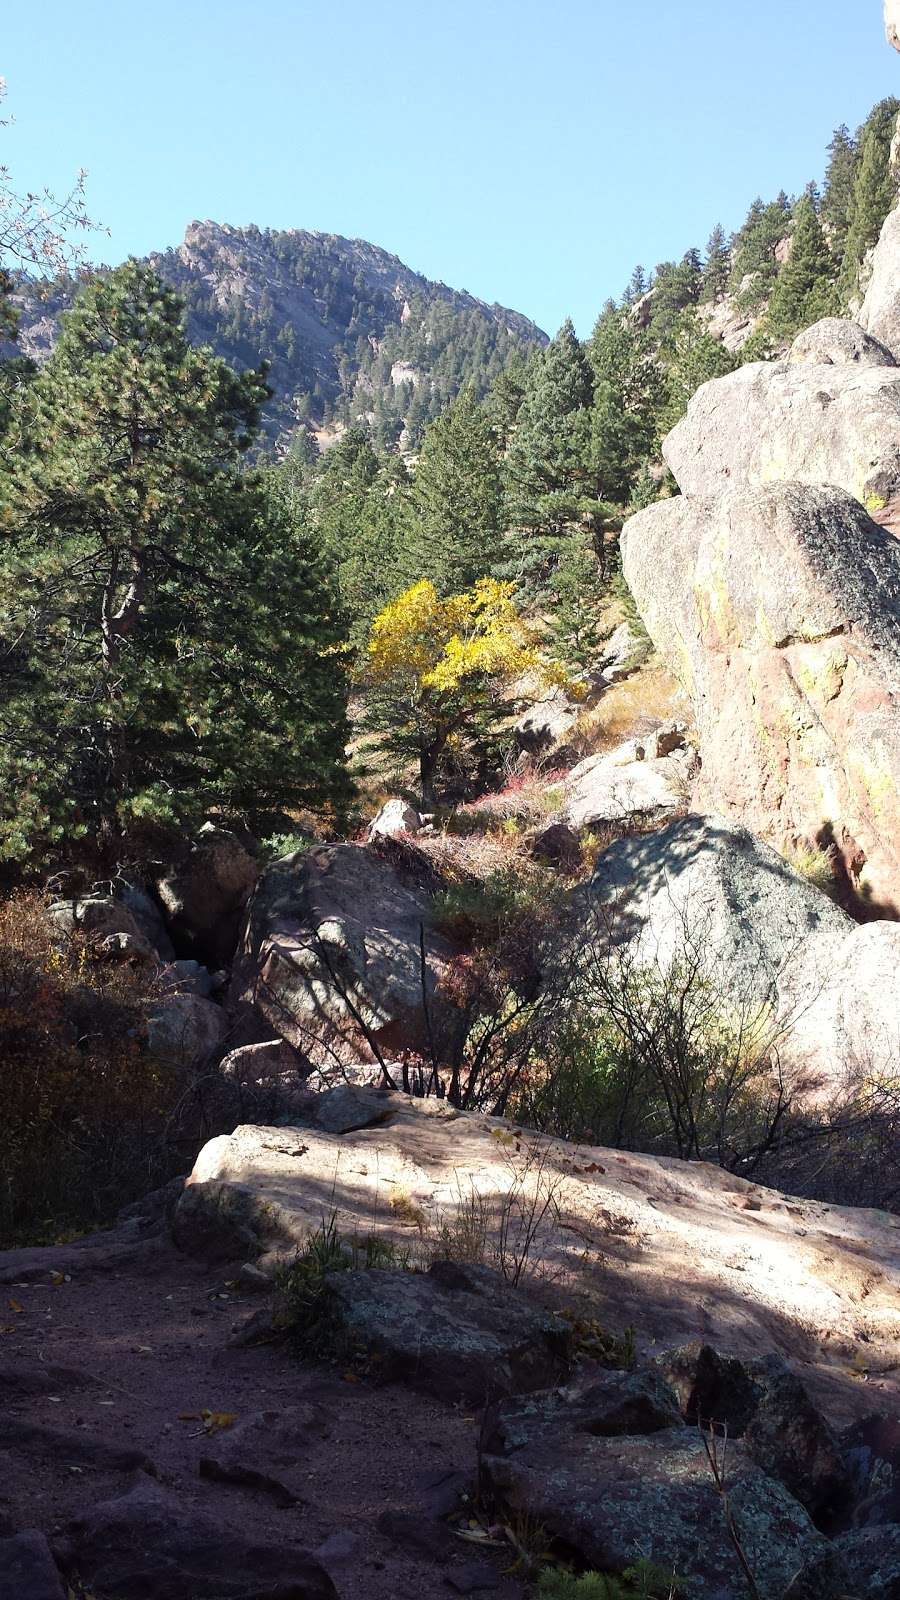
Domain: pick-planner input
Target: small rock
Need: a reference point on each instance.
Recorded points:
(473, 1576)
(710, 1387)
(396, 817)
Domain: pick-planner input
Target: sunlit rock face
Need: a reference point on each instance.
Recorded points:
(892, 22)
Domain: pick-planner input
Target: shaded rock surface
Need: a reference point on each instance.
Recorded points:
(204, 895)
(268, 1451)
(144, 1544)
(27, 1569)
(683, 1250)
(614, 1500)
(778, 608)
(612, 1404)
(457, 1331)
(331, 950)
(185, 1027)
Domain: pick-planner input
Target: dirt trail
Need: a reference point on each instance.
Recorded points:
(155, 1333)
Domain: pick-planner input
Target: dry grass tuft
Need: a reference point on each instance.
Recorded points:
(631, 707)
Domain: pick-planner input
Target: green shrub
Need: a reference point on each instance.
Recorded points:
(644, 1581)
(301, 1307)
(486, 909)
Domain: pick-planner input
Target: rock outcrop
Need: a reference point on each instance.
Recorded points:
(879, 314)
(892, 22)
(685, 1250)
(645, 777)
(331, 955)
(778, 953)
(830, 417)
(778, 607)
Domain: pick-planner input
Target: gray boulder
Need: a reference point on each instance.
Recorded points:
(396, 817)
(148, 1543)
(614, 1500)
(803, 421)
(204, 895)
(838, 342)
(703, 891)
(778, 608)
(643, 777)
(879, 314)
(892, 22)
(331, 955)
(459, 1332)
(184, 1028)
(95, 918)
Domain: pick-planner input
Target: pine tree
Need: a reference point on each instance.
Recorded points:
(628, 392)
(170, 643)
(696, 358)
(456, 499)
(717, 266)
(548, 479)
(838, 192)
(803, 289)
(874, 191)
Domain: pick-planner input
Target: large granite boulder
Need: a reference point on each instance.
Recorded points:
(684, 1250)
(807, 421)
(879, 314)
(779, 608)
(705, 891)
(614, 1500)
(331, 955)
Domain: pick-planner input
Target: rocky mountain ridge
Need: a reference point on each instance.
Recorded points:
(348, 330)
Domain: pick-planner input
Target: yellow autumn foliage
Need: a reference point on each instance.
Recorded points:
(443, 643)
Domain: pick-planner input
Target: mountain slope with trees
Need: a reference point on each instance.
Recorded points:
(349, 333)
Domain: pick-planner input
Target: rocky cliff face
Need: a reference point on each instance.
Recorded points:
(776, 596)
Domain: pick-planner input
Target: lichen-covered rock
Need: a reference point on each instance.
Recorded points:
(871, 1560)
(789, 1438)
(331, 955)
(614, 1500)
(779, 609)
(457, 1331)
(613, 1403)
(794, 421)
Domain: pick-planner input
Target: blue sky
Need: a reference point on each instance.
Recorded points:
(530, 151)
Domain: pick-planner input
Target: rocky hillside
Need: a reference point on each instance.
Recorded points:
(350, 333)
